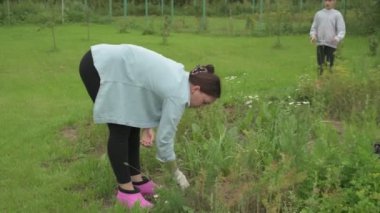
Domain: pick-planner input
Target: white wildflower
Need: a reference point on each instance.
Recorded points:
(230, 78)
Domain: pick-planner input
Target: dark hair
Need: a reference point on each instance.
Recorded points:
(204, 77)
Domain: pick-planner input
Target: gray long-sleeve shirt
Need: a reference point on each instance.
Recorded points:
(328, 27)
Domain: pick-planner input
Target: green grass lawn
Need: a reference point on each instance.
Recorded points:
(41, 94)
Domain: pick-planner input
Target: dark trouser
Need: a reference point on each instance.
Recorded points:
(325, 53)
(123, 141)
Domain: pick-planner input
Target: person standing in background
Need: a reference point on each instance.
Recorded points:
(327, 31)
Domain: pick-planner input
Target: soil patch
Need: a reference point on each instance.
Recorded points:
(70, 133)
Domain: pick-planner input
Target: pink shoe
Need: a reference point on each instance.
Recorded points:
(131, 199)
(146, 188)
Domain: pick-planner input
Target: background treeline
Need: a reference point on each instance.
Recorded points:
(362, 17)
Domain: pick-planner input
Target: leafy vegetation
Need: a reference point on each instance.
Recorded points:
(272, 17)
(279, 140)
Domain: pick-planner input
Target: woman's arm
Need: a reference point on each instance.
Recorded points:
(171, 114)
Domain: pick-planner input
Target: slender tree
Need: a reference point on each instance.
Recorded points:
(50, 22)
(166, 30)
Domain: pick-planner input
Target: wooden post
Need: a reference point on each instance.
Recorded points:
(63, 11)
(162, 7)
(125, 8)
(146, 8)
(172, 7)
(261, 9)
(87, 13)
(110, 8)
(227, 7)
(344, 8)
(9, 11)
(204, 15)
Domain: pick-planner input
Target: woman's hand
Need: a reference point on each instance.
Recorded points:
(147, 137)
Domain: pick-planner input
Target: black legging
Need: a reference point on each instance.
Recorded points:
(325, 53)
(123, 141)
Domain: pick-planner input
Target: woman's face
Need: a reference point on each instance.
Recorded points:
(198, 98)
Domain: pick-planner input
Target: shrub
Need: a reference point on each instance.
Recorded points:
(27, 12)
(373, 43)
(343, 95)
(75, 12)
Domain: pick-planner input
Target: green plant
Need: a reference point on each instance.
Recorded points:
(76, 12)
(149, 29)
(166, 30)
(124, 26)
(373, 43)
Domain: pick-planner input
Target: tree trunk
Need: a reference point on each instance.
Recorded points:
(54, 40)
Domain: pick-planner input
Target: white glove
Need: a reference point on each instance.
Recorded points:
(181, 179)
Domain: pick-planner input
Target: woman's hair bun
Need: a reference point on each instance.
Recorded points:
(209, 68)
